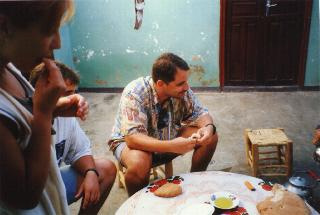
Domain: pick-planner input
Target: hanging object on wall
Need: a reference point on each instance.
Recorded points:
(139, 5)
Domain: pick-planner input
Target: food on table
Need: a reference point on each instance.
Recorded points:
(249, 186)
(223, 202)
(168, 190)
(282, 202)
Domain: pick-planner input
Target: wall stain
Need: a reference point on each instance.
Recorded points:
(197, 58)
(101, 82)
(197, 71)
(108, 98)
(117, 76)
(206, 83)
(93, 106)
(75, 59)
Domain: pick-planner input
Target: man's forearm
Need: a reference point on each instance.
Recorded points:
(146, 143)
(84, 163)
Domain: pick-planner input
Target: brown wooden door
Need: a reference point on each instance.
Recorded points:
(264, 42)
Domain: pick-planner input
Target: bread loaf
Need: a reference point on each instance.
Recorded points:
(168, 190)
(282, 202)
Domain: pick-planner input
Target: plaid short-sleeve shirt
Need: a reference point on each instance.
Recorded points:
(140, 112)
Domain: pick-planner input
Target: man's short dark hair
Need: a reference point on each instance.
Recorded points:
(165, 67)
(66, 72)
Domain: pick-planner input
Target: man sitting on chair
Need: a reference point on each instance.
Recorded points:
(85, 177)
(158, 119)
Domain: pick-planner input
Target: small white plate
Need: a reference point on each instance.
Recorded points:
(234, 199)
(197, 208)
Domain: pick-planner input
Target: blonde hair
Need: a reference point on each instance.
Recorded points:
(69, 12)
(50, 13)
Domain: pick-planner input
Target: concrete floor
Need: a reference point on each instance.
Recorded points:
(297, 112)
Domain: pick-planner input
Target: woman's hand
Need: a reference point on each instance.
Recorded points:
(49, 87)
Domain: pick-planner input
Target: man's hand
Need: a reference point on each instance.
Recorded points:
(204, 134)
(89, 189)
(183, 145)
(73, 106)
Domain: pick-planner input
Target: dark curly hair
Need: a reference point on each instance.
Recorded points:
(165, 67)
(66, 72)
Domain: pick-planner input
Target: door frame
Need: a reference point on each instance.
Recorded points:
(303, 48)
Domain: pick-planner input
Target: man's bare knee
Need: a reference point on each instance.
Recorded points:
(106, 169)
(209, 146)
(139, 169)
(212, 141)
(138, 163)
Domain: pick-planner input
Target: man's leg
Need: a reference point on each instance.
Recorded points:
(107, 172)
(138, 164)
(202, 154)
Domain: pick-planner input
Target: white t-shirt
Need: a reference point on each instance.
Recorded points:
(71, 141)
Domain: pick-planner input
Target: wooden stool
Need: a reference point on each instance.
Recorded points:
(155, 173)
(275, 158)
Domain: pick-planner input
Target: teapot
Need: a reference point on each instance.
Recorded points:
(302, 183)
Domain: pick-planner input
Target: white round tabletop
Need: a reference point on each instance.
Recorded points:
(198, 188)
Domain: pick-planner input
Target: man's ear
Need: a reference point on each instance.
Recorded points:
(160, 83)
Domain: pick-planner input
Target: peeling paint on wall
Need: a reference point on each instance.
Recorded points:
(196, 69)
(203, 36)
(197, 58)
(155, 26)
(206, 83)
(103, 54)
(130, 51)
(99, 38)
(90, 54)
(101, 82)
(105, 47)
(197, 72)
(155, 40)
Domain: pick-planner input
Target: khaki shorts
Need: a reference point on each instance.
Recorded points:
(157, 158)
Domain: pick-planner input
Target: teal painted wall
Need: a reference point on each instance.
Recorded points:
(312, 77)
(64, 54)
(108, 52)
(102, 45)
